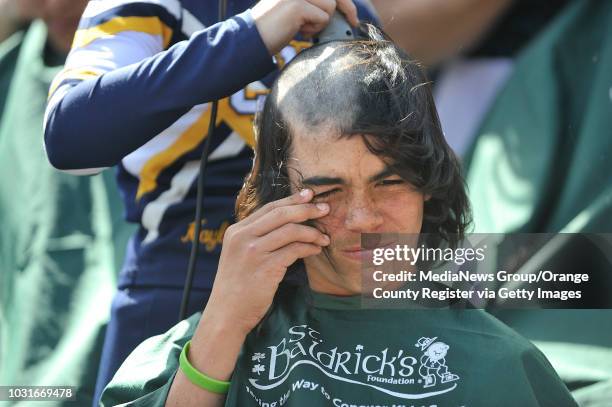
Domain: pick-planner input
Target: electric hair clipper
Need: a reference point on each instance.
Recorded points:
(338, 30)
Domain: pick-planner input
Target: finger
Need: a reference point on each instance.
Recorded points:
(280, 216)
(311, 31)
(348, 8)
(300, 197)
(289, 254)
(308, 32)
(328, 6)
(314, 15)
(292, 232)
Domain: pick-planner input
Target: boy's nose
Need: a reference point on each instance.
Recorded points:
(363, 216)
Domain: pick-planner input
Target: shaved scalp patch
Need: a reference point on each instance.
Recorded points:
(329, 87)
(319, 91)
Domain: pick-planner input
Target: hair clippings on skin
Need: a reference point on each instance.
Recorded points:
(274, 178)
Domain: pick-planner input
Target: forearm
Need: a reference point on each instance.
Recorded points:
(102, 119)
(253, 262)
(214, 351)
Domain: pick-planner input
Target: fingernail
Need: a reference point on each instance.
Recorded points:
(326, 239)
(323, 207)
(304, 193)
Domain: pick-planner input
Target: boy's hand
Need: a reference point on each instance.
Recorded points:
(256, 254)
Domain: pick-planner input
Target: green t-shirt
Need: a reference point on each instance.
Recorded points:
(316, 350)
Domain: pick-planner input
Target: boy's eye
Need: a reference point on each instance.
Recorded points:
(326, 194)
(387, 182)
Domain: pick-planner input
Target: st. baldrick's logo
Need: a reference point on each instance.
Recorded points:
(391, 371)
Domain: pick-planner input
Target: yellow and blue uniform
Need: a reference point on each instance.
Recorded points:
(135, 93)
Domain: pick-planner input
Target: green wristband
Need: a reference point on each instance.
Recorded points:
(198, 378)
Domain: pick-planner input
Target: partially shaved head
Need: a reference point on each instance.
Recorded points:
(328, 86)
(320, 90)
(367, 88)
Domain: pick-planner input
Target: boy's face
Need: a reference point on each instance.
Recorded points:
(363, 196)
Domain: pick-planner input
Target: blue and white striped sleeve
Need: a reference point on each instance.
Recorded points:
(123, 84)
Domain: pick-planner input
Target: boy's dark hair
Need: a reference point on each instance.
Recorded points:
(362, 87)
